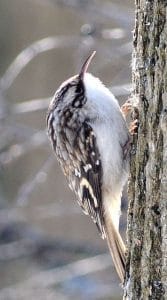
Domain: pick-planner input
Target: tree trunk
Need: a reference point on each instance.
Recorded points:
(146, 270)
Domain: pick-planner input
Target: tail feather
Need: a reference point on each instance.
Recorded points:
(116, 246)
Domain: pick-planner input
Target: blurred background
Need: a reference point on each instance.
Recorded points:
(48, 248)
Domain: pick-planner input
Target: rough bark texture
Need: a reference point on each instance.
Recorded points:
(146, 274)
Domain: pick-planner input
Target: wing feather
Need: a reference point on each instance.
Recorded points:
(88, 186)
(82, 167)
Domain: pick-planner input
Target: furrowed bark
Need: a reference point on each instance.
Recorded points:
(146, 269)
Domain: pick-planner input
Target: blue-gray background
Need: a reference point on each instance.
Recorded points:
(48, 248)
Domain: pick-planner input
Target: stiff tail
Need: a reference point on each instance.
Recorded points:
(116, 246)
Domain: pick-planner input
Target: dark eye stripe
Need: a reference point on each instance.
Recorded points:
(79, 88)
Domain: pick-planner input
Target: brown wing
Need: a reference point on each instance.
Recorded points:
(84, 173)
(79, 157)
(88, 175)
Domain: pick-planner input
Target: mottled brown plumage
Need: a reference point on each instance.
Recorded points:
(90, 138)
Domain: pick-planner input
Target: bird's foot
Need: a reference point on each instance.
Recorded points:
(126, 108)
(133, 127)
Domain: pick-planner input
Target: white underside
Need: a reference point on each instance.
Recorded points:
(111, 132)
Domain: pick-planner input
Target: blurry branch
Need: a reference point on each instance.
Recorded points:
(26, 294)
(10, 215)
(40, 177)
(79, 268)
(31, 105)
(42, 104)
(55, 210)
(17, 249)
(22, 60)
(114, 11)
(61, 274)
(15, 151)
(40, 285)
(96, 10)
(12, 127)
(47, 211)
(38, 47)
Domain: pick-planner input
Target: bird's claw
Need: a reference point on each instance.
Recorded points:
(126, 108)
(133, 127)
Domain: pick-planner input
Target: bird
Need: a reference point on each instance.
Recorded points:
(90, 137)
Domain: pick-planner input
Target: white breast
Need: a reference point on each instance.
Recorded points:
(112, 133)
(109, 126)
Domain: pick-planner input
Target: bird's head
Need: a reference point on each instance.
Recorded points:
(72, 91)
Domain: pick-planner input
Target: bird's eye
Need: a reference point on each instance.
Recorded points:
(79, 88)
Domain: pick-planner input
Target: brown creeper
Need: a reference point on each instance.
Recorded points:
(91, 140)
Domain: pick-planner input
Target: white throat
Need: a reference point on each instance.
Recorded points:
(96, 90)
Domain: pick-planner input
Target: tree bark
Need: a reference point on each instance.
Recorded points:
(146, 269)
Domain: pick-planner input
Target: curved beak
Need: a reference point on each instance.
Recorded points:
(86, 65)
